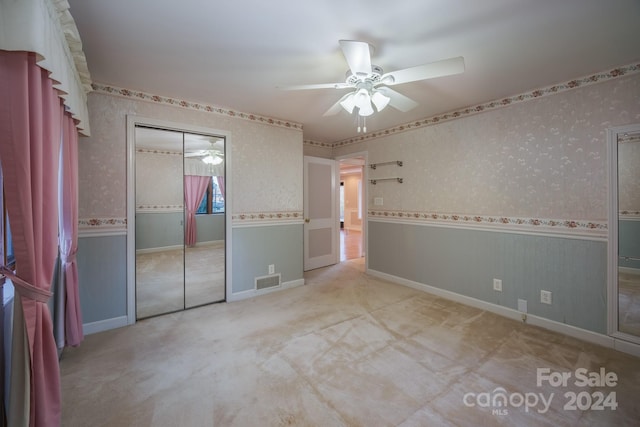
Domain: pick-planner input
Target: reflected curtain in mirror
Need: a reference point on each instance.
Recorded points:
(195, 187)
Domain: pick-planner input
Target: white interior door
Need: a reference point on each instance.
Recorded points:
(320, 213)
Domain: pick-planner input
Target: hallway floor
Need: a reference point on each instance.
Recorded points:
(350, 244)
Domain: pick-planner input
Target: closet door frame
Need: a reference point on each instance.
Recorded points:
(132, 122)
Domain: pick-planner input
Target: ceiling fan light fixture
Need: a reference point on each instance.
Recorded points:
(380, 100)
(362, 98)
(349, 102)
(365, 110)
(212, 160)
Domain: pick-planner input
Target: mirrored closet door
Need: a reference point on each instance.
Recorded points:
(628, 210)
(179, 220)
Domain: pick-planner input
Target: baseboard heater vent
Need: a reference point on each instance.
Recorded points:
(268, 281)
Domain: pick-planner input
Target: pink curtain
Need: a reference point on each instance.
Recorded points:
(194, 189)
(30, 119)
(68, 227)
(220, 180)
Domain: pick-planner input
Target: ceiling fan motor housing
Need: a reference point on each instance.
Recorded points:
(373, 77)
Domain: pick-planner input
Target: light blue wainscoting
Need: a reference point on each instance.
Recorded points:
(102, 277)
(629, 242)
(210, 228)
(466, 261)
(165, 229)
(159, 229)
(256, 247)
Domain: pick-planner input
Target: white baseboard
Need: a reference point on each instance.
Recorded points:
(177, 247)
(158, 249)
(210, 243)
(629, 270)
(572, 331)
(104, 325)
(626, 347)
(238, 296)
(118, 322)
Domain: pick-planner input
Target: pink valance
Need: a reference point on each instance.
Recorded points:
(46, 28)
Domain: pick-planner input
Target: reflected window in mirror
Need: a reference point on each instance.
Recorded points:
(213, 200)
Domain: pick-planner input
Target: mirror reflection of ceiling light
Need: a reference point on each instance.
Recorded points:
(212, 160)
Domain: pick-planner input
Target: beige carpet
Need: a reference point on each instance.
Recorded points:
(344, 350)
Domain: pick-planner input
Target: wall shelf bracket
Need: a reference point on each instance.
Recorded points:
(375, 181)
(395, 162)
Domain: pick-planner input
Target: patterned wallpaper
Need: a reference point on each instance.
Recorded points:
(540, 163)
(266, 158)
(158, 181)
(318, 149)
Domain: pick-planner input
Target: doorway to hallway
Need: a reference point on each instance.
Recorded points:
(352, 206)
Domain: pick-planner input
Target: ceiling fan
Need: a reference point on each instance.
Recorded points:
(214, 157)
(371, 85)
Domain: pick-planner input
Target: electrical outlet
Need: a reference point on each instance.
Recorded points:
(545, 297)
(272, 268)
(497, 285)
(378, 201)
(522, 305)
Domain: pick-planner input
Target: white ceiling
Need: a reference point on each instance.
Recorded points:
(235, 54)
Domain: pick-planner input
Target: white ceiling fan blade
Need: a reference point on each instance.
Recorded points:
(446, 67)
(358, 56)
(337, 107)
(398, 100)
(316, 86)
(198, 153)
(202, 153)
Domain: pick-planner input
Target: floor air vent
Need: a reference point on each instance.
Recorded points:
(268, 281)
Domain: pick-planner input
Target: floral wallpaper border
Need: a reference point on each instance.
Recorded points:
(549, 90)
(626, 138)
(317, 143)
(143, 96)
(532, 224)
(109, 224)
(275, 217)
(102, 222)
(155, 151)
(159, 208)
(102, 225)
(630, 214)
(563, 226)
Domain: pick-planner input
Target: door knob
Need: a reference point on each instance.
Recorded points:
(307, 220)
